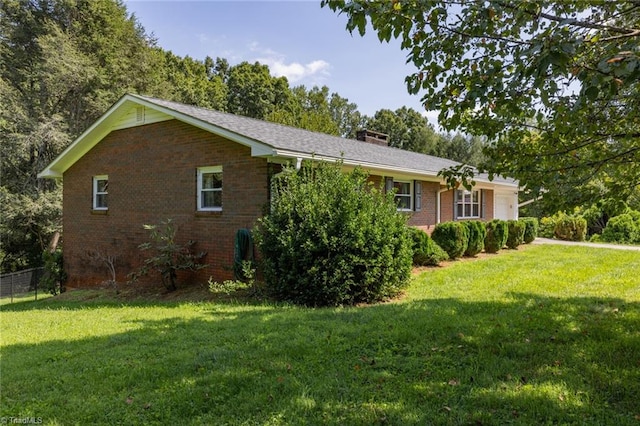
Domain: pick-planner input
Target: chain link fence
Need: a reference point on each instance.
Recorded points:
(20, 283)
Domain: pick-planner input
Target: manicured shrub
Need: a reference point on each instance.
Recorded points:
(515, 234)
(622, 229)
(425, 251)
(332, 239)
(547, 227)
(570, 228)
(451, 237)
(497, 232)
(530, 228)
(476, 232)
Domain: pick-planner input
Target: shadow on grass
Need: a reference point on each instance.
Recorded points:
(531, 360)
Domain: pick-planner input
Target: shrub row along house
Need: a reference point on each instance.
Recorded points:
(147, 160)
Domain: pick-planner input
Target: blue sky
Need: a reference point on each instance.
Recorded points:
(298, 39)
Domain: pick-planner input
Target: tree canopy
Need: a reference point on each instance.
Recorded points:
(64, 62)
(555, 86)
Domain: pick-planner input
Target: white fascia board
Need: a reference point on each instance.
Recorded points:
(103, 126)
(87, 140)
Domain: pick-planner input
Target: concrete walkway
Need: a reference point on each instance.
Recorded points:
(586, 244)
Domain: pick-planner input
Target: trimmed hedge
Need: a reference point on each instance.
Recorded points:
(497, 232)
(476, 232)
(622, 229)
(547, 226)
(451, 237)
(530, 228)
(425, 251)
(515, 235)
(570, 228)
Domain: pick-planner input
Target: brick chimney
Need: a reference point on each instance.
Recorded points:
(370, 136)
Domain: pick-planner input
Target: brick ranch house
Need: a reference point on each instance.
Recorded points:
(147, 160)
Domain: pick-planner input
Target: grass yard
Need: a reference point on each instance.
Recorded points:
(542, 335)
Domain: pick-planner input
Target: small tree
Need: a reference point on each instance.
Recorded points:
(54, 275)
(331, 238)
(169, 257)
(100, 257)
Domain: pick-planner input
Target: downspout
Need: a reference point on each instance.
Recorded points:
(439, 203)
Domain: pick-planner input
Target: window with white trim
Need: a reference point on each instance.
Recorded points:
(467, 204)
(408, 194)
(210, 188)
(404, 195)
(100, 192)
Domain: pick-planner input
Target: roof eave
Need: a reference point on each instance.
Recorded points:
(431, 174)
(103, 126)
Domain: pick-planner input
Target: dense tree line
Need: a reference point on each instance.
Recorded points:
(554, 85)
(64, 62)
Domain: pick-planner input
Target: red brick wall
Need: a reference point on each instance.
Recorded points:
(446, 199)
(446, 203)
(425, 218)
(152, 177)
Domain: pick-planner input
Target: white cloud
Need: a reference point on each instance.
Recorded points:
(313, 72)
(296, 71)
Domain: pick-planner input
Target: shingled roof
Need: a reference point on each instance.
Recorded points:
(276, 140)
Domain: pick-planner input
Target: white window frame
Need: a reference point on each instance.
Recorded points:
(96, 193)
(200, 190)
(460, 201)
(403, 195)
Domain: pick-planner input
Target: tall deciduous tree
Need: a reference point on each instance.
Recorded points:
(407, 129)
(63, 62)
(254, 92)
(554, 85)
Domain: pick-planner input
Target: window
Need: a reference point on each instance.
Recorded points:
(100, 192)
(467, 204)
(408, 194)
(210, 188)
(403, 195)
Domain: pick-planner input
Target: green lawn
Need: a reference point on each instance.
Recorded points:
(542, 335)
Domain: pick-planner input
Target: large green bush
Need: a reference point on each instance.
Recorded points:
(530, 228)
(547, 226)
(332, 239)
(497, 232)
(425, 251)
(570, 228)
(515, 234)
(452, 237)
(476, 232)
(622, 229)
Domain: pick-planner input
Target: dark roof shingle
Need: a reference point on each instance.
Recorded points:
(291, 139)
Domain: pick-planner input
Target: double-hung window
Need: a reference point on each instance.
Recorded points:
(210, 188)
(408, 194)
(467, 204)
(100, 192)
(404, 195)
